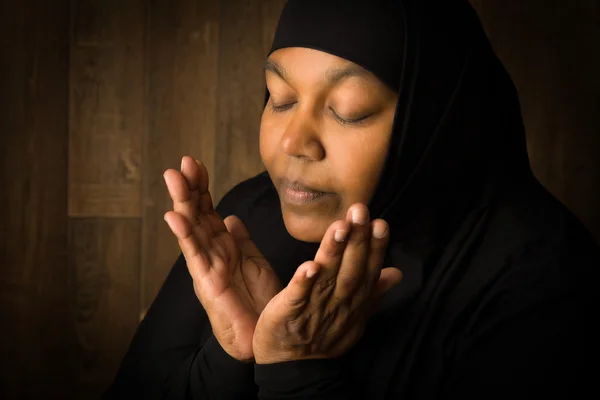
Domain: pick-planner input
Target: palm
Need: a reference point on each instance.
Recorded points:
(232, 279)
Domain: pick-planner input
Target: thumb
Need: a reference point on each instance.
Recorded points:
(288, 304)
(389, 278)
(297, 292)
(241, 236)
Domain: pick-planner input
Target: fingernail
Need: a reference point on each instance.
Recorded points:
(181, 168)
(310, 273)
(379, 231)
(358, 216)
(340, 235)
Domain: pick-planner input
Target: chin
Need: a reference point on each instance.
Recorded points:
(305, 228)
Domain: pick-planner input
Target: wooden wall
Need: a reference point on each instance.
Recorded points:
(550, 47)
(99, 97)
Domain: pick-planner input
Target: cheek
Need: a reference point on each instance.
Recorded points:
(359, 164)
(268, 139)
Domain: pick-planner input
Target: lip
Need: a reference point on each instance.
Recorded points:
(298, 193)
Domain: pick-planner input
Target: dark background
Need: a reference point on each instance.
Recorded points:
(99, 97)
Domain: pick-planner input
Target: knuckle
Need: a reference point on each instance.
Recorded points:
(295, 302)
(359, 241)
(324, 286)
(333, 251)
(359, 300)
(328, 319)
(296, 324)
(348, 281)
(305, 338)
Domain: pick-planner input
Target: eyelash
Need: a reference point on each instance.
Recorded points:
(285, 107)
(281, 108)
(343, 121)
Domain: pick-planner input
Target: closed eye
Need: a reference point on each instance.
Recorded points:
(348, 121)
(281, 108)
(340, 119)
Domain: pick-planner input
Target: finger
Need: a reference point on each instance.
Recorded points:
(184, 205)
(353, 264)
(184, 200)
(377, 248)
(189, 191)
(388, 278)
(329, 255)
(197, 179)
(177, 187)
(196, 256)
(297, 293)
(205, 203)
(241, 237)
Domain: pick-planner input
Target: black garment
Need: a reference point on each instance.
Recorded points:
(512, 317)
(499, 291)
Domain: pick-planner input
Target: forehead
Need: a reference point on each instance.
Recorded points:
(297, 63)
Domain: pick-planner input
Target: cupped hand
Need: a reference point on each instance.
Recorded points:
(324, 309)
(231, 278)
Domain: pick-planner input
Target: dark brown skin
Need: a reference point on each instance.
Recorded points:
(309, 138)
(232, 279)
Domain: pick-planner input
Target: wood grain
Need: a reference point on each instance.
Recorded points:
(106, 107)
(246, 30)
(551, 50)
(106, 126)
(35, 338)
(104, 263)
(100, 97)
(182, 97)
(270, 12)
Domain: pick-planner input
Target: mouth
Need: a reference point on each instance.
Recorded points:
(298, 193)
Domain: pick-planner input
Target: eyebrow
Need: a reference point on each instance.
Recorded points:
(272, 66)
(332, 76)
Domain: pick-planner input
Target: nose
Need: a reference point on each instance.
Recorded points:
(301, 139)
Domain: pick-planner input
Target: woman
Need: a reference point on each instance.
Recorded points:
(393, 141)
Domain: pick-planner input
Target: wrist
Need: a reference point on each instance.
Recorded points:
(218, 353)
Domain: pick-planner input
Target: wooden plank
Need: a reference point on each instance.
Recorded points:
(246, 31)
(270, 12)
(106, 126)
(182, 96)
(550, 49)
(36, 334)
(106, 107)
(104, 260)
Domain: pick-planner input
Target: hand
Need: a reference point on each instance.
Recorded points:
(232, 279)
(324, 309)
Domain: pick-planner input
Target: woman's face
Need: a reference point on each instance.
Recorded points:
(324, 136)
